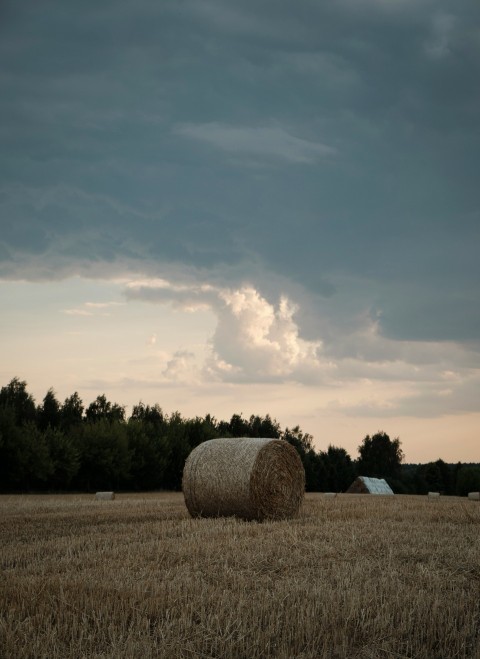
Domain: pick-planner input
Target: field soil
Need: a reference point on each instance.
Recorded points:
(357, 576)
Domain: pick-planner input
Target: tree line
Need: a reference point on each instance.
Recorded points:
(68, 446)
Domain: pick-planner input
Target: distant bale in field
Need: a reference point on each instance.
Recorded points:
(434, 494)
(369, 485)
(329, 495)
(252, 478)
(105, 496)
(475, 496)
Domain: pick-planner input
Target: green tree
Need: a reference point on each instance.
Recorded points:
(236, 427)
(148, 456)
(255, 426)
(447, 475)
(178, 449)
(303, 443)
(64, 455)
(339, 469)
(101, 408)
(200, 430)
(104, 455)
(434, 477)
(263, 427)
(16, 396)
(25, 462)
(148, 414)
(72, 412)
(39, 466)
(468, 480)
(48, 414)
(12, 451)
(380, 456)
(314, 474)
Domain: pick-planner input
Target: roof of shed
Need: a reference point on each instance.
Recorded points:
(374, 485)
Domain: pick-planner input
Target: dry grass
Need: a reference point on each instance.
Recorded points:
(352, 576)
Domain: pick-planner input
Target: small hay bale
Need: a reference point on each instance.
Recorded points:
(329, 495)
(251, 478)
(369, 485)
(474, 496)
(105, 496)
(434, 494)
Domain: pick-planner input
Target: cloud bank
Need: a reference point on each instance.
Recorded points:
(258, 341)
(310, 177)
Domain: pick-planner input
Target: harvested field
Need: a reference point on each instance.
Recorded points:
(351, 576)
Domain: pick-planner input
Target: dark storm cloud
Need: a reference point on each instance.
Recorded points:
(314, 141)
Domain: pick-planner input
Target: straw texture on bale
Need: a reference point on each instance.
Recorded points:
(251, 478)
(105, 496)
(475, 496)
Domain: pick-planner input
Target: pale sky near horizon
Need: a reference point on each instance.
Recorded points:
(257, 207)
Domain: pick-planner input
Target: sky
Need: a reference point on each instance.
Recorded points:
(256, 207)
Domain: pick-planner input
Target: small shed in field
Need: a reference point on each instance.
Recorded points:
(367, 485)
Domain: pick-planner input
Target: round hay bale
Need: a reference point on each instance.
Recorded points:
(105, 496)
(248, 477)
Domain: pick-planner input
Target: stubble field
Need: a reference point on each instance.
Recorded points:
(353, 576)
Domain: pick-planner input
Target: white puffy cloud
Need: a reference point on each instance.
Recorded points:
(254, 339)
(257, 340)
(261, 341)
(181, 367)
